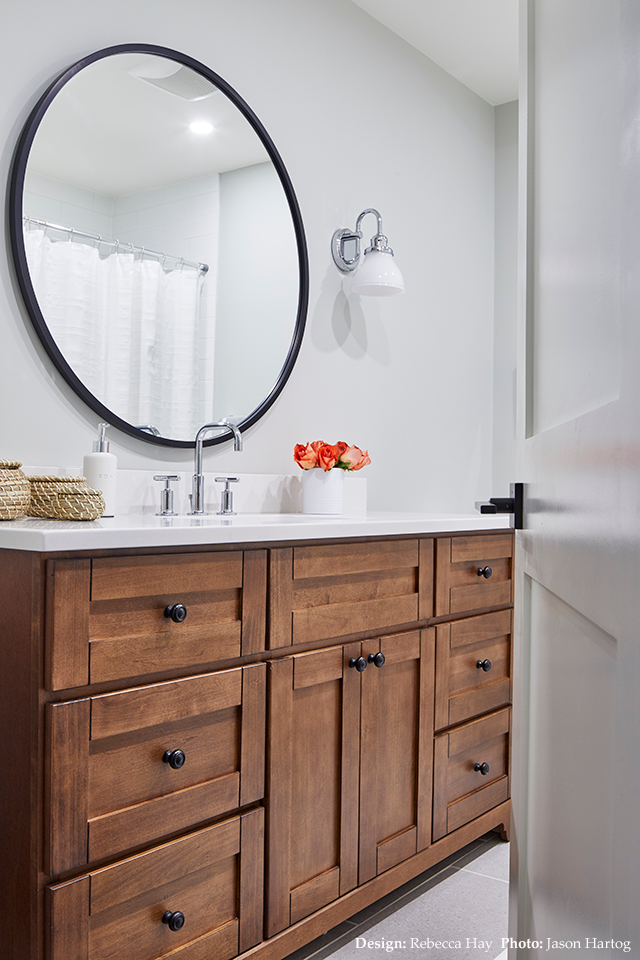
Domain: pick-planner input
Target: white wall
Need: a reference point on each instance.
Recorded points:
(360, 119)
(506, 300)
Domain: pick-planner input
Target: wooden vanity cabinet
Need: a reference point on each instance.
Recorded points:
(327, 721)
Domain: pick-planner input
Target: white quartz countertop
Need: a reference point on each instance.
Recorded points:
(112, 533)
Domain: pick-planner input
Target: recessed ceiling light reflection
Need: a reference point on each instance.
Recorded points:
(201, 127)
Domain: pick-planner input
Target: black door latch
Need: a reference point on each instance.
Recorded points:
(513, 505)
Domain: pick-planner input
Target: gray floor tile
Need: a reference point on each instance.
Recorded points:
(492, 863)
(463, 897)
(461, 910)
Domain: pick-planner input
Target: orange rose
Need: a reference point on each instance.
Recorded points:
(340, 448)
(355, 458)
(305, 456)
(327, 457)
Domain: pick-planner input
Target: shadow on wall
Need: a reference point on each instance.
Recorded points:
(351, 324)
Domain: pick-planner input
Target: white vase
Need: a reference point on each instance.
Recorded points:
(323, 491)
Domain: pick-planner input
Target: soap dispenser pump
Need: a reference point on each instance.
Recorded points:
(99, 469)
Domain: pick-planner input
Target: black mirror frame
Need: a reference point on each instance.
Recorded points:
(15, 211)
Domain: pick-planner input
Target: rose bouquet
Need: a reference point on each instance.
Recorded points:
(327, 456)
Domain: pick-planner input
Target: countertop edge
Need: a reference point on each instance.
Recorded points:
(44, 536)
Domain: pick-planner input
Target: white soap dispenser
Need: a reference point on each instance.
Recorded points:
(99, 469)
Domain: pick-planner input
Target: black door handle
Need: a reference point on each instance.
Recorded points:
(513, 505)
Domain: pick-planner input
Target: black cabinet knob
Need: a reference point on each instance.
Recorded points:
(174, 920)
(176, 612)
(485, 572)
(484, 665)
(175, 758)
(360, 664)
(377, 659)
(482, 768)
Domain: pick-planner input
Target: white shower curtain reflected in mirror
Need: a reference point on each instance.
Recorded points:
(128, 328)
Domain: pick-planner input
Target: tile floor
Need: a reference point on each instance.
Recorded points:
(461, 899)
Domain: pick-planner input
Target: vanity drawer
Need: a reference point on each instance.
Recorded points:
(336, 590)
(462, 792)
(473, 667)
(110, 619)
(461, 584)
(129, 768)
(213, 878)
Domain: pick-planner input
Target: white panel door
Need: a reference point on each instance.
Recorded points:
(576, 837)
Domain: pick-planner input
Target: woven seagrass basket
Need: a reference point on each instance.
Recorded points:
(14, 490)
(64, 498)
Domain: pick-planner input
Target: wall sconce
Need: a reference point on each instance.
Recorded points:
(378, 276)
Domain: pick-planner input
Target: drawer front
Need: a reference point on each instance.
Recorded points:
(461, 584)
(473, 667)
(127, 769)
(471, 771)
(207, 886)
(337, 590)
(122, 617)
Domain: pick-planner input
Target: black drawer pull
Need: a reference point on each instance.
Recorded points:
(482, 768)
(360, 664)
(174, 920)
(485, 572)
(176, 612)
(175, 758)
(377, 659)
(484, 665)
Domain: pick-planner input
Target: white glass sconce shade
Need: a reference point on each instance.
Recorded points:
(377, 275)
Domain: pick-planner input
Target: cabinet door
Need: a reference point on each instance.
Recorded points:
(336, 590)
(396, 751)
(473, 667)
(471, 772)
(312, 790)
(473, 573)
(129, 768)
(110, 618)
(195, 898)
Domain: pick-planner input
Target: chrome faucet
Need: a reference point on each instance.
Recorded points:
(196, 497)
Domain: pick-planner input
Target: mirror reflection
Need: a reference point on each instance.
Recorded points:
(160, 245)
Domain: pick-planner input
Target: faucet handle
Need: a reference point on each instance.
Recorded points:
(166, 495)
(227, 496)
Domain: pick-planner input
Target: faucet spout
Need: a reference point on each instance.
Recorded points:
(196, 496)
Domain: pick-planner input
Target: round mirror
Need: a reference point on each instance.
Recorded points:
(158, 244)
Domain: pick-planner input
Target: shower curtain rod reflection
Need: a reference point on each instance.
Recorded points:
(120, 245)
